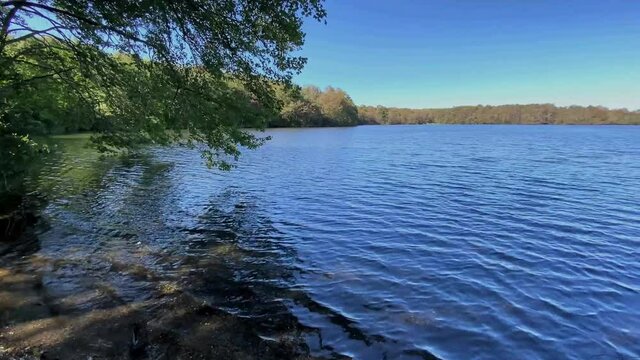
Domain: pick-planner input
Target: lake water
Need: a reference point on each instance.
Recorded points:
(455, 242)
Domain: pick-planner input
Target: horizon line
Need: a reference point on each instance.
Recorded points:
(505, 104)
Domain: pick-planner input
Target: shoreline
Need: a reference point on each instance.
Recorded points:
(172, 324)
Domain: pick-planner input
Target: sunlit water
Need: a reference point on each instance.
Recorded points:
(459, 242)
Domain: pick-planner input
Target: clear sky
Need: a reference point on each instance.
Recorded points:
(440, 53)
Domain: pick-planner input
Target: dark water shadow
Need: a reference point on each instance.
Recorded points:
(105, 266)
(116, 255)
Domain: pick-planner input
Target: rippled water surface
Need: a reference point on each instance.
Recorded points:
(455, 242)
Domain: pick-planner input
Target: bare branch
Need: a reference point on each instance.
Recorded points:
(4, 31)
(34, 33)
(70, 14)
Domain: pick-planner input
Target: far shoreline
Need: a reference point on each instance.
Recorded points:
(439, 124)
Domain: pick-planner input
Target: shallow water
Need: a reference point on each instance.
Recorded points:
(459, 242)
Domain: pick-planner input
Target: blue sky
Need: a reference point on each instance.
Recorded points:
(440, 53)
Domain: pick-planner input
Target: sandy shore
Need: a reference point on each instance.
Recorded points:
(173, 326)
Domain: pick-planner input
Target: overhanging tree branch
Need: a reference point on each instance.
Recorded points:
(38, 77)
(20, 3)
(4, 31)
(34, 33)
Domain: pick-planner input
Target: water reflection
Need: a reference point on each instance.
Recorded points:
(397, 242)
(114, 242)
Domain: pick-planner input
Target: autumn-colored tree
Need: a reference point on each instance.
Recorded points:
(338, 106)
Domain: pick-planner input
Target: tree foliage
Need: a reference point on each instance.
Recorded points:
(503, 114)
(312, 107)
(140, 72)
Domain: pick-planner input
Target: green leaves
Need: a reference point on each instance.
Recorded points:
(311, 106)
(147, 72)
(16, 153)
(192, 73)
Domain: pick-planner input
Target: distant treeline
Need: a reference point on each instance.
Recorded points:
(503, 114)
(311, 107)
